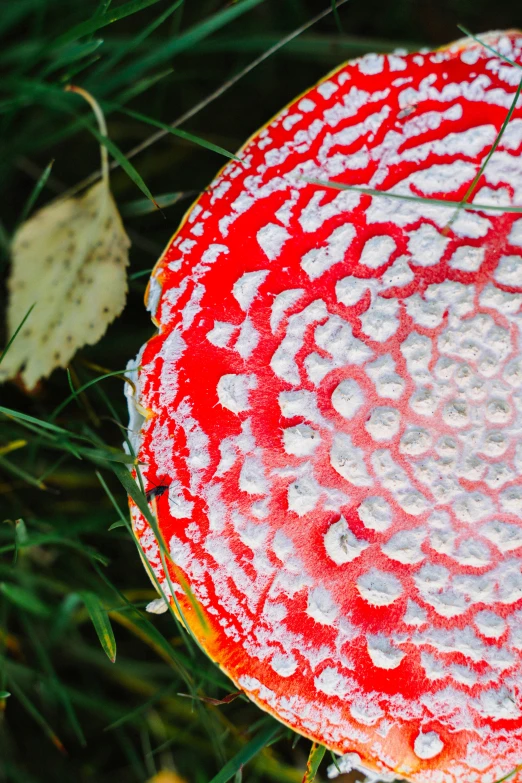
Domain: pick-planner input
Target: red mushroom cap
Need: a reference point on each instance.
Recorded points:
(334, 399)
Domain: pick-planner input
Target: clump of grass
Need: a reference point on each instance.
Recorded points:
(91, 686)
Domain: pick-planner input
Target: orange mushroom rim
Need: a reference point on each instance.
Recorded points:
(334, 401)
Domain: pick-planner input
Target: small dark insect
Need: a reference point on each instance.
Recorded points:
(156, 492)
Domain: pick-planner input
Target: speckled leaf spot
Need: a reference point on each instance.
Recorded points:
(69, 260)
(334, 399)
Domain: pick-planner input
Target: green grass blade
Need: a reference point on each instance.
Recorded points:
(494, 146)
(58, 540)
(314, 759)
(71, 387)
(180, 133)
(96, 22)
(106, 457)
(101, 622)
(125, 164)
(336, 16)
(36, 192)
(34, 91)
(41, 423)
(70, 54)
(116, 525)
(132, 489)
(142, 273)
(17, 330)
(20, 538)
(142, 85)
(317, 47)
(487, 46)
(140, 499)
(438, 202)
(247, 753)
(24, 599)
(144, 207)
(35, 714)
(51, 433)
(131, 716)
(335, 762)
(15, 470)
(510, 774)
(189, 38)
(149, 632)
(50, 469)
(69, 75)
(74, 394)
(103, 7)
(125, 521)
(190, 597)
(110, 62)
(45, 659)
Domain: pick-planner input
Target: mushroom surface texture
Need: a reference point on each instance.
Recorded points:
(334, 402)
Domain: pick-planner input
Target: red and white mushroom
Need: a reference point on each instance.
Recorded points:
(334, 399)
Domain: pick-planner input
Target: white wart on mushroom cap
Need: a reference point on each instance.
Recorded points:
(335, 402)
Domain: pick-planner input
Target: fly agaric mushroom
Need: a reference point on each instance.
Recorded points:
(334, 400)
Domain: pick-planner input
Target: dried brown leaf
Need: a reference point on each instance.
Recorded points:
(69, 260)
(68, 277)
